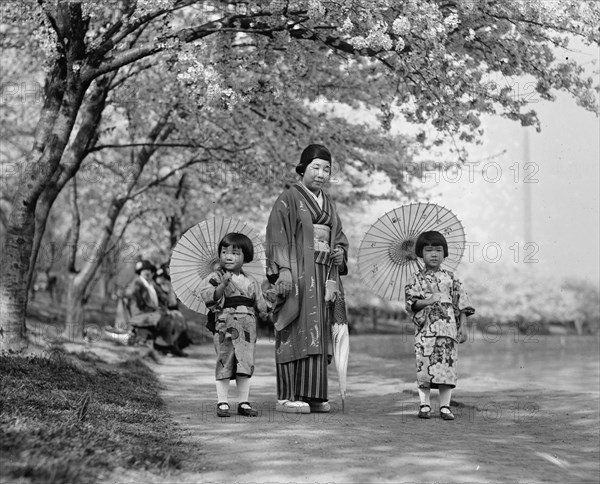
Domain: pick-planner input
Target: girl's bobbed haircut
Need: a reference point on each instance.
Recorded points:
(430, 238)
(239, 241)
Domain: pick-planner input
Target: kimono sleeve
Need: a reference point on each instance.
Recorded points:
(413, 291)
(280, 232)
(260, 303)
(207, 291)
(460, 299)
(340, 240)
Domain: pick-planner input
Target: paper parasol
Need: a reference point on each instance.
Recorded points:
(386, 256)
(195, 257)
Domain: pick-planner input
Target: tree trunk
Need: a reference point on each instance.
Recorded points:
(73, 240)
(79, 283)
(175, 220)
(64, 92)
(16, 256)
(87, 132)
(74, 312)
(13, 279)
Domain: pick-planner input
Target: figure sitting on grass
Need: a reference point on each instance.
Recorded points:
(235, 299)
(439, 306)
(148, 314)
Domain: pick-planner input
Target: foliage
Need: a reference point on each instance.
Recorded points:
(522, 294)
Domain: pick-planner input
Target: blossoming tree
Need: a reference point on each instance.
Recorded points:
(434, 62)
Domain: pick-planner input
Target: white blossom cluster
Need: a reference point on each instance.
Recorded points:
(347, 26)
(451, 21)
(277, 6)
(46, 39)
(315, 9)
(204, 81)
(401, 26)
(146, 6)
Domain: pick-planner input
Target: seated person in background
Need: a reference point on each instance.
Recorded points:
(172, 335)
(150, 318)
(142, 302)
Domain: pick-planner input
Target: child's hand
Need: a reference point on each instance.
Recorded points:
(462, 336)
(225, 277)
(434, 298)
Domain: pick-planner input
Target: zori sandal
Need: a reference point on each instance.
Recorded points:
(446, 413)
(223, 409)
(424, 411)
(289, 406)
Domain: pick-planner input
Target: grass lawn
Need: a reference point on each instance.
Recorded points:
(72, 418)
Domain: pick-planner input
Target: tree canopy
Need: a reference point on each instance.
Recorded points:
(269, 70)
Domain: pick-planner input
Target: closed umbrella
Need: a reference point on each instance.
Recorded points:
(340, 337)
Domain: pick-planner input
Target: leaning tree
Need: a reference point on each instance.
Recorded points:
(431, 61)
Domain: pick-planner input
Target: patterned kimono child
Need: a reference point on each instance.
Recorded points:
(234, 298)
(439, 306)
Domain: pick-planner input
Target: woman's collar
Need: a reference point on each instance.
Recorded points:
(317, 197)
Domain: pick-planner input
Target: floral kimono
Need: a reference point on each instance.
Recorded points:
(436, 326)
(300, 236)
(235, 327)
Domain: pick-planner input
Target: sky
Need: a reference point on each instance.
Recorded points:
(555, 173)
(561, 171)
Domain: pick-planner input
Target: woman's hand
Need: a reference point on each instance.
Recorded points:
(284, 282)
(337, 256)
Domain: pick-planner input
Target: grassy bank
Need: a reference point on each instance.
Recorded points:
(75, 419)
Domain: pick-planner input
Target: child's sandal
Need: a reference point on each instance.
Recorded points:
(223, 409)
(246, 410)
(446, 415)
(424, 413)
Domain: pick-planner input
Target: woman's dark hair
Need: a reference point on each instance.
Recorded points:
(430, 238)
(238, 241)
(310, 153)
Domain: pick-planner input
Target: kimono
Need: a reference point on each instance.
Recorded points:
(235, 325)
(436, 326)
(296, 240)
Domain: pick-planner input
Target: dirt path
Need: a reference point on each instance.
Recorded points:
(506, 433)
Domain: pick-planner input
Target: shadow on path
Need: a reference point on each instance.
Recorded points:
(503, 432)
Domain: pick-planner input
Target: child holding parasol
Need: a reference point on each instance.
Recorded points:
(234, 298)
(439, 306)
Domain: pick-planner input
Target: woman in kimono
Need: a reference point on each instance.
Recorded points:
(305, 245)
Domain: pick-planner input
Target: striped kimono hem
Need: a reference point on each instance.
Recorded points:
(306, 378)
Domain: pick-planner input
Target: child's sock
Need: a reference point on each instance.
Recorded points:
(243, 388)
(445, 395)
(424, 395)
(223, 391)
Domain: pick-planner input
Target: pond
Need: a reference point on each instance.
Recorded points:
(568, 363)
